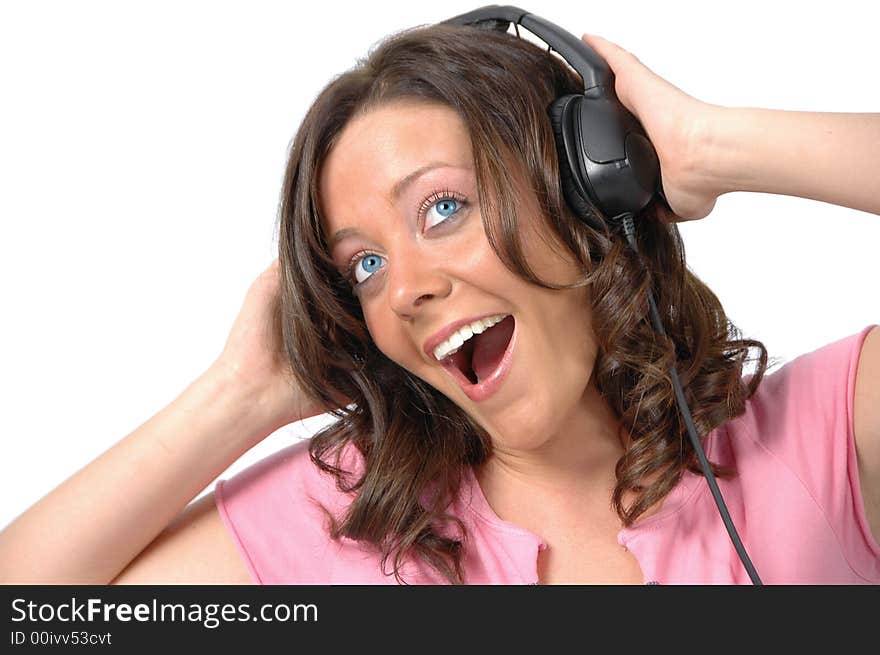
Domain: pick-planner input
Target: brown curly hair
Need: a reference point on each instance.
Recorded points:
(416, 441)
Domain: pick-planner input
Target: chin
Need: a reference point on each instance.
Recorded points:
(524, 423)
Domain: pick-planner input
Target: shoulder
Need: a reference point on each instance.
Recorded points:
(289, 474)
(794, 450)
(866, 426)
(812, 392)
(276, 512)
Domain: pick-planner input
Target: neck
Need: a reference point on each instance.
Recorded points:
(571, 470)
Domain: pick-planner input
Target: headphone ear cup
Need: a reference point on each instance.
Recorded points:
(566, 151)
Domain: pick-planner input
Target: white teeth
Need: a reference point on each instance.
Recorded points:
(457, 340)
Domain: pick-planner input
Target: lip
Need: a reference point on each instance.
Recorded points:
(444, 333)
(486, 388)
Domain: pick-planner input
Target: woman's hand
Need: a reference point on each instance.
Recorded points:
(677, 124)
(253, 356)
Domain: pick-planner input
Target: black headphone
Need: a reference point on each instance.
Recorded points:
(605, 157)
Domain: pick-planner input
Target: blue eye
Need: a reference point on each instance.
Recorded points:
(446, 208)
(364, 263)
(448, 204)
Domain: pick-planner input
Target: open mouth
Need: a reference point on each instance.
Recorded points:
(481, 362)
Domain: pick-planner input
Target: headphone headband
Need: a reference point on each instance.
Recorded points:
(580, 56)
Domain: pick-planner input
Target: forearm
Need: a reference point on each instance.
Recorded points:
(91, 526)
(831, 157)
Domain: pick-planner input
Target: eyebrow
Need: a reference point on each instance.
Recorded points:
(404, 183)
(396, 191)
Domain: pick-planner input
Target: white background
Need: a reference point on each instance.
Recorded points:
(142, 148)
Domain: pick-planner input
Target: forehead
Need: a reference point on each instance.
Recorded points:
(377, 149)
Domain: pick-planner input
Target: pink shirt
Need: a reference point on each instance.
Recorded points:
(796, 503)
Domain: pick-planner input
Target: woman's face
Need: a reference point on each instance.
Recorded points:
(422, 261)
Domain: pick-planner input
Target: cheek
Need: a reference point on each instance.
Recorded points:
(391, 340)
(581, 339)
(379, 333)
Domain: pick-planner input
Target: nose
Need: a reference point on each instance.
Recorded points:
(415, 278)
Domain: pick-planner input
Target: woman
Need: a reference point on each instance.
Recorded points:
(547, 447)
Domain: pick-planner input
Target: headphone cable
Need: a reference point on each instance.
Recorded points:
(629, 231)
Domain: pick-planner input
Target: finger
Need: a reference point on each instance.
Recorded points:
(609, 51)
(622, 63)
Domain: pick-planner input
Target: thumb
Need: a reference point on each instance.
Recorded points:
(608, 50)
(627, 68)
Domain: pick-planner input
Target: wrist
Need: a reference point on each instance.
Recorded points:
(237, 402)
(728, 157)
(718, 160)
